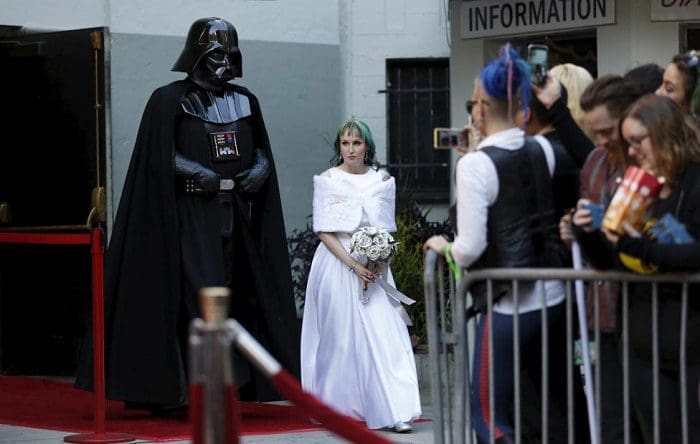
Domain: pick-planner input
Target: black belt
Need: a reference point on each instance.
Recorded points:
(190, 186)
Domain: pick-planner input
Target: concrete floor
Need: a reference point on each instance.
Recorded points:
(422, 434)
(422, 431)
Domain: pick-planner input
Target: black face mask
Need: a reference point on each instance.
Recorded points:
(214, 70)
(219, 64)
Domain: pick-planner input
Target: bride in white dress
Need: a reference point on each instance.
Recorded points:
(355, 356)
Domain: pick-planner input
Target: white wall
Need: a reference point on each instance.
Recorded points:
(292, 21)
(377, 30)
(635, 40)
(466, 61)
(46, 14)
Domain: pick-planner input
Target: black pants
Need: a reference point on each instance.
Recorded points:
(530, 330)
(641, 381)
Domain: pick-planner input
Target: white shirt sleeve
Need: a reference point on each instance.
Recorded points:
(476, 191)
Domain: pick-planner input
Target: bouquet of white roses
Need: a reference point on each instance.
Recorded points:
(377, 245)
(374, 243)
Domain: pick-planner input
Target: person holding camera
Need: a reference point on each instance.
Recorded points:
(603, 102)
(506, 219)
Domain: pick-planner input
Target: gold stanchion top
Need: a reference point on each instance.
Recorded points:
(214, 303)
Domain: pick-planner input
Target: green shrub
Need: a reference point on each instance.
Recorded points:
(413, 229)
(302, 245)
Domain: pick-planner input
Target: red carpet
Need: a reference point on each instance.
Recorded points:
(46, 404)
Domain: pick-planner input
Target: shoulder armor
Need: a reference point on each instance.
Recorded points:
(219, 109)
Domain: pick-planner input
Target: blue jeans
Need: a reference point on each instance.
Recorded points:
(530, 331)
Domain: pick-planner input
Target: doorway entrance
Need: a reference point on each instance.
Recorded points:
(579, 48)
(52, 158)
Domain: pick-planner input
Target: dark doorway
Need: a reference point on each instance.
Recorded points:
(418, 100)
(579, 48)
(52, 157)
(690, 37)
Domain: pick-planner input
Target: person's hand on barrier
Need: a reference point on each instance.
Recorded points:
(436, 243)
(565, 232)
(549, 93)
(582, 217)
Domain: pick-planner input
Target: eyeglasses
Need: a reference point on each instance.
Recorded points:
(470, 104)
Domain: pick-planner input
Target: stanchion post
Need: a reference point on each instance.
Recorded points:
(98, 348)
(213, 399)
(196, 387)
(211, 340)
(95, 239)
(98, 328)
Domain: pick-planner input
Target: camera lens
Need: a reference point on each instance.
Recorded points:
(470, 105)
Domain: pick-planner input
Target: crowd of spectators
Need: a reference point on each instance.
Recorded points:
(546, 157)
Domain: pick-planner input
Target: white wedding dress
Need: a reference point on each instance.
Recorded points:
(356, 357)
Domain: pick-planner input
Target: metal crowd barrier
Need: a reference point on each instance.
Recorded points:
(451, 333)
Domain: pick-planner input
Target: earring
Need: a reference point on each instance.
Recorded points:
(366, 157)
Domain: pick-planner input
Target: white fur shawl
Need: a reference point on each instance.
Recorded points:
(340, 200)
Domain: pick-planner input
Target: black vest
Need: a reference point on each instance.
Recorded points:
(522, 224)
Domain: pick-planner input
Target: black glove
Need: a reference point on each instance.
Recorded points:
(205, 178)
(251, 180)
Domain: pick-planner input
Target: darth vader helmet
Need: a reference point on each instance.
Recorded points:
(212, 51)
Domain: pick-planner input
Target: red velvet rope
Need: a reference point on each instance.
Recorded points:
(233, 415)
(45, 238)
(93, 238)
(341, 425)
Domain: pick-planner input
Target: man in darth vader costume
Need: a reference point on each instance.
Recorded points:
(200, 207)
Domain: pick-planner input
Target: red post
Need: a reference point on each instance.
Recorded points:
(98, 350)
(96, 242)
(98, 329)
(233, 415)
(197, 412)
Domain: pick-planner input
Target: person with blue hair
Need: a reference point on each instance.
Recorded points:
(506, 219)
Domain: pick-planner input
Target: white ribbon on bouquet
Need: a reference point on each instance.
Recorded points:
(382, 268)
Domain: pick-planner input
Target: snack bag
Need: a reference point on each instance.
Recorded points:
(639, 188)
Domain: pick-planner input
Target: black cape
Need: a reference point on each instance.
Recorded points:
(144, 360)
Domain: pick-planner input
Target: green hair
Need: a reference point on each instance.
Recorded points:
(355, 126)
